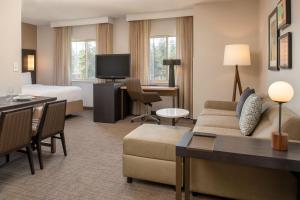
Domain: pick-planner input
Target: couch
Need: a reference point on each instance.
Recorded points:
(154, 158)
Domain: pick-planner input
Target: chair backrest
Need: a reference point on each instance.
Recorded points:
(53, 119)
(15, 129)
(134, 89)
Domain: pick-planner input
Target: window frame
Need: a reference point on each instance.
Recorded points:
(86, 63)
(160, 82)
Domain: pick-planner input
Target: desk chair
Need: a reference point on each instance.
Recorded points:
(136, 94)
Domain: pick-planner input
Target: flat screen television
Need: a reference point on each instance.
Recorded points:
(113, 66)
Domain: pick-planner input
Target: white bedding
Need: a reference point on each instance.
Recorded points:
(69, 93)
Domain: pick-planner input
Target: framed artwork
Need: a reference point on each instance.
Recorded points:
(285, 51)
(273, 41)
(284, 13)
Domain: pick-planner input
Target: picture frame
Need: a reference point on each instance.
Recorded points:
(285, 51)
(273, 41)
(284, 13)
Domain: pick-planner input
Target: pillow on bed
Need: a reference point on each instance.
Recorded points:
(26, 78)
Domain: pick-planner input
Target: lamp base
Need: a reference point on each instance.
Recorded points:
(280, 142)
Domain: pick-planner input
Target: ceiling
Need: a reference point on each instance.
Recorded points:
(46, 11)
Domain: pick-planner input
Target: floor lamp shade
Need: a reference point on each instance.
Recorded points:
(237, 55)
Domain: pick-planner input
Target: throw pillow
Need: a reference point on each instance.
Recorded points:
(250, 115)
(247, 92)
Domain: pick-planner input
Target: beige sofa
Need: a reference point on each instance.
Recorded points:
(150, 155)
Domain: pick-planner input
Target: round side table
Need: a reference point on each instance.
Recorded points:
(172, 113)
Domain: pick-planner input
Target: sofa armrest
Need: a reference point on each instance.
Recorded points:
(221, 105)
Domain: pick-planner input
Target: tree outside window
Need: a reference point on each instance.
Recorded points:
(161, 47)
(83, 60)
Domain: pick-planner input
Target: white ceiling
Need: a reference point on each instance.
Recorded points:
(46, 11)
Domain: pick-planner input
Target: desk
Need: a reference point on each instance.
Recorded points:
(235, 150)
(161, 90)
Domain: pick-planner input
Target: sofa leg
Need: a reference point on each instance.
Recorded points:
(194, 194)
(129, 180)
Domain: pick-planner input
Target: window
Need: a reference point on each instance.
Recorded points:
(161, 47)
(83, 60)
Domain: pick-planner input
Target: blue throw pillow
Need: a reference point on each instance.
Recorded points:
(247, 92)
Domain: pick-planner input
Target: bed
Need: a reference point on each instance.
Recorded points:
(72, 94)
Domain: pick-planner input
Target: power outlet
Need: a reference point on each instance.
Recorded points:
(16, 67)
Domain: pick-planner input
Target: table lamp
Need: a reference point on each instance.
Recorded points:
(171, 63)
(237, 55)
(280, 92)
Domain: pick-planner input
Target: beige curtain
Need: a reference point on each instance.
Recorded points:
(62, 55)
(184, 73)
(139, 36)
(104, 38)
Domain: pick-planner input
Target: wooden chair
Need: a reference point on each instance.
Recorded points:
(52, 124)
(16, 133)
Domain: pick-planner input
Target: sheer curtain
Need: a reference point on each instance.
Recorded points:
(184, 73)
(62, 55)
(139, 37)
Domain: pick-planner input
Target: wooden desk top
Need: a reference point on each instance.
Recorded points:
(5, 105)
(240, 150)
(155, 88)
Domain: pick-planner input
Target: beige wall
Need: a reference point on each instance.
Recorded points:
(10, 48)
(121, 35)
(292, 76)
(29, 36)
(215, 25)
(45, 55)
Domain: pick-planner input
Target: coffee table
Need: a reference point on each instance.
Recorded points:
(172, 113)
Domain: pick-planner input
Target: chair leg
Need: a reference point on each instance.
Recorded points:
(53, 145)
(29, 155)
(7, 158)
(63, 142)
(40, 157)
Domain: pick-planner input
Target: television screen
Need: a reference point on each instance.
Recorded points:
(113, 66)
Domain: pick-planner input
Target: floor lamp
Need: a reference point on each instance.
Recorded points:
(237, 55)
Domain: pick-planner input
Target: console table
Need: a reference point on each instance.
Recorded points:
(238, 150)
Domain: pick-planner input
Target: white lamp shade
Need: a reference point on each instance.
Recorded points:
(30, 62)
(237, 54)
(281, 92)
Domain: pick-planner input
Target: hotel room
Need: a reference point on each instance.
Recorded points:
(140, 99)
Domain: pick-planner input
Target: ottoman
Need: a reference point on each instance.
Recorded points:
(149, 153)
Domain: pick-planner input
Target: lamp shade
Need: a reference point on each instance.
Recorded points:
(30, 63)
(281, 92)
(237, 54)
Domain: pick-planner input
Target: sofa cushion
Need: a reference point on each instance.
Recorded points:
(246, 93)
(154, 141)
(250, 114)
(217, 131)
(218, 121)
(208, 111)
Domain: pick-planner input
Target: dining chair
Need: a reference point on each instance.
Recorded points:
(51, 125)
(16, 133)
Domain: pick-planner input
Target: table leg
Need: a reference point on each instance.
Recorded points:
(187, 178)
(178, 177)
(122, 104)
(53, 145)
(173, 101)
(297, 175)
(178, 98)
(173, 122)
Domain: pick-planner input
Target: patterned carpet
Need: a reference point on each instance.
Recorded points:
(92, 169)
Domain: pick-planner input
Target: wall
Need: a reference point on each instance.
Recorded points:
(215, 25)
(292, 76)
(45, 55)
(29, 36)
(121, 36)
(10, 49)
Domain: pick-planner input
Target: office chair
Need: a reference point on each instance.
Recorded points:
(136, 94)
